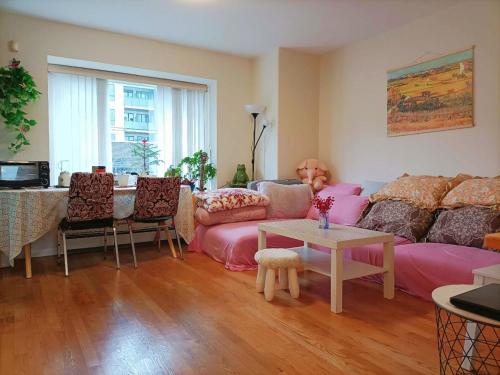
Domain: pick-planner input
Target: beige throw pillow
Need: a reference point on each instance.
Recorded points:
(420, 191)
(287, 201)
(474, 192)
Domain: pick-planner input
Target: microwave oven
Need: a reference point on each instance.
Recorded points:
(20, 174)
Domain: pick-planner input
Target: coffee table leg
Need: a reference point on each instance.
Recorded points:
(337, 271)
(261, 244)
(389, 270)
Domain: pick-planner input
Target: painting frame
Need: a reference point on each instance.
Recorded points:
(445, 101)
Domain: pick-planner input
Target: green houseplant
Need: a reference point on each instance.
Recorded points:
(173, 171)
(17, 90)
(190, 168)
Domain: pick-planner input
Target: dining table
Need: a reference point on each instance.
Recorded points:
(29, 213)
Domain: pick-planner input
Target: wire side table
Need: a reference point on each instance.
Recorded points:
(468, 343)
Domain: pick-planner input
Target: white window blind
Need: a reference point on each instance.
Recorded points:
(96, 121)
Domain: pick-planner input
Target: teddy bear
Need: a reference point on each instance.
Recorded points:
(313, 172)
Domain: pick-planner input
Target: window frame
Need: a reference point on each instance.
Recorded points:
(211, 84)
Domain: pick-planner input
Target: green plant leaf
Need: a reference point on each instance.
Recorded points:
(17, 90)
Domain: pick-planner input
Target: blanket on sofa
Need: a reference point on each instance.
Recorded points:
(230, 198)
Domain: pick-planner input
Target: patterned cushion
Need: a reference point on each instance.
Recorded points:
(90, 196)
(476, 192)
(228, 199)
(464, 226)
(156, 197)
(420, 191)
(399, 218)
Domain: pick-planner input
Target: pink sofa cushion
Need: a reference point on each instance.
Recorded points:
(346, 210)
(286, 201)
(422, 267)
(230, 216)
(341, 188)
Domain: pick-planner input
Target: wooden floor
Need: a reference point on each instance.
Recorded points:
(195, 317)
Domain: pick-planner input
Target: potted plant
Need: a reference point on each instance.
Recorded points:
(148, 154)
(17, 90)
(196, 168)
(173, 171)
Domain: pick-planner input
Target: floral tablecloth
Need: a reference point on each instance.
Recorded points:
(27, 214)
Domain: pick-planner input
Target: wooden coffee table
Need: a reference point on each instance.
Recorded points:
(337, 238)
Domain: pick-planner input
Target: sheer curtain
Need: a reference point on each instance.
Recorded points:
(194, 120)
(163, 118)
(183, 123)
(80, 130)
(76, 127)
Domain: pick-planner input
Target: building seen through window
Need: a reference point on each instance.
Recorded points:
(131, 114)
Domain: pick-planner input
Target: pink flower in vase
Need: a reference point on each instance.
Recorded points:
(323, 205)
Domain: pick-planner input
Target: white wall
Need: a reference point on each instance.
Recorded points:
(286, 81)
(352, 132)
(298, 110)
(38, 38)
(266, 92)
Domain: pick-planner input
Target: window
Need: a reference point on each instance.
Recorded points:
(95, 121)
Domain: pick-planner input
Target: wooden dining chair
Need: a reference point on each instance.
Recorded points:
(90, 207)
(156, 202)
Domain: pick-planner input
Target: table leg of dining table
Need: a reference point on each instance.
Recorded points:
(336, 277)
(27, 259)
(389, 270)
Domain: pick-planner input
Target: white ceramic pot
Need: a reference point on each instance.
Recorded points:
(64, 179)
(123, 180)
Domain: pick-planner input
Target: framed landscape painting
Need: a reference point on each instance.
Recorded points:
(431, 96)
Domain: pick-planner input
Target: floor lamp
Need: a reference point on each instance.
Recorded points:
(255, 110)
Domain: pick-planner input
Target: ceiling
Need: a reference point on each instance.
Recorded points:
(242, 27)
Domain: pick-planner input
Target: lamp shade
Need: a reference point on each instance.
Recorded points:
(255, 108)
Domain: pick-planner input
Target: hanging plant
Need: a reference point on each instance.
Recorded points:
(17, 90)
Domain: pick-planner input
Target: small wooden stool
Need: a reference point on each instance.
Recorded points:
(286, 261)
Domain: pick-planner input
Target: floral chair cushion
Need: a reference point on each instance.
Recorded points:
(90, 197)
(156, 197)
(398, 217)
(464, 226)
(230, 198)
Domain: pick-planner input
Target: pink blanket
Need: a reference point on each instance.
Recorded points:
(422, 267)
(235, 244)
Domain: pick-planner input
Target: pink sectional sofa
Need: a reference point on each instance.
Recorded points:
(422, 267)
(419, 267)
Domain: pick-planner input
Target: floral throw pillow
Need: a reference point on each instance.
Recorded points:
(464, 226)
(420, 191)
(474, 192)
(399, 218)
(228, 199)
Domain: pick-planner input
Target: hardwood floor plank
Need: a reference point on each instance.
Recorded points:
(194, 317)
